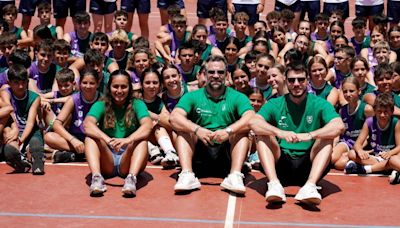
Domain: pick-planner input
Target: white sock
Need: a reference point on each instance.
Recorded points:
(166, 144)
(368, 168)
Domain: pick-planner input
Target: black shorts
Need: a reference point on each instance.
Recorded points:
(393, 9)
(250, 9)
(295, 7)
(312, 8)
(28, 7)
(343, 6)
(141, 6)
(212, 160)
(164, 4)
(100, 7)
(60, 7)
(366, 11)
(293, 171)
(204, 7)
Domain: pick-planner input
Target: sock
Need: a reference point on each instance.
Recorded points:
(153, 150)
(166, 144)
(368, 168)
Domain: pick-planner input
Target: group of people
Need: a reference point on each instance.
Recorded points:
(293, 100)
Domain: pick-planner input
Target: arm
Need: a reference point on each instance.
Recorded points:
(93, 131)
(260, 6)
(262, 127)
(78, 65)
(231, 7)
(181, 123)
(240, 126)
(332, 129)
(369, 111)
(369, 98)
(216, 51)
(58, 126)
(275, 49)
(396, 150)
(164, 119)
(59, 32)
(333, 97)
(358, 145)
(112, 67)
(67, 37)
(392, 57)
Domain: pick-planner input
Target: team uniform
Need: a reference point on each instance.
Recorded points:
(322, 92)
(155, 106)
(79, 46)
(44, 80)
(81, 109)
(381, 140)
(213, 114)
(353, 123)
(28, 7)
(21, 112)
(119, 130)
(313, 113)
(122, 61)
(102, 7)
(189, 76)
(359, 46)
(339, 77)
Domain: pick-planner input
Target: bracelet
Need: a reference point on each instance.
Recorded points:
(72, 138)
(196, 130)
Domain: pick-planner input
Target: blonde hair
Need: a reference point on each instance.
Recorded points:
(119, 35)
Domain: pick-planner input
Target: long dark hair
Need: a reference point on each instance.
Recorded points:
(109, 118)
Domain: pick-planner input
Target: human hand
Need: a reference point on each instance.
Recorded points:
(78, 145)
(289, 136)
(260, 8)
(205, 135)
(118, 143)
(385, 155)
(304, 137)
(220, 136)
(364, 154)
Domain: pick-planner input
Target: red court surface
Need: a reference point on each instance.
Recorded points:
(61, 198)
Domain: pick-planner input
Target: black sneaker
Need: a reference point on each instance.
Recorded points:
(14, 159)
(354, 168)
(63, 156)
(37, 151)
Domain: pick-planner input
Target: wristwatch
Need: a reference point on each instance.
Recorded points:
(229, 130)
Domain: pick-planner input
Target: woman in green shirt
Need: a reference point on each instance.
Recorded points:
(117, 128)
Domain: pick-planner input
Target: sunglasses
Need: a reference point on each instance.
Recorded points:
(212, 72)
(293, 80)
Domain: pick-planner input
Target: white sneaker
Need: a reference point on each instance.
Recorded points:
(309, 194)
(170, 160)
(234, 183)
(186, 182)
(275, 193)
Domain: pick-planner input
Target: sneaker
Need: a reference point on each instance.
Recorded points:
(275, 193)
(130, 185)
(394, 177)
(37, 152)
(155, 156)
(170, 160)
(309, 194)
(234, 183)
(186, 182)
(354, 168)
(14, 159)
(97, 186)
(63, 156)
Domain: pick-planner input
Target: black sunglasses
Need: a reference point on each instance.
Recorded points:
(293, 80)
(212, 72)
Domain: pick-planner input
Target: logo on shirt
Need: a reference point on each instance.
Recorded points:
(203, 112)
(282, 122)
(309, 119)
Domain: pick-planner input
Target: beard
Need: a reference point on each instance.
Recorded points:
(299, 95)
(214, 86)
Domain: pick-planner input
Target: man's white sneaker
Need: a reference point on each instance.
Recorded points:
(234, 183)
(186, 182)
(275, 193)
(309, 194)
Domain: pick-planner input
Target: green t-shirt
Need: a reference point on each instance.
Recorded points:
(156, 106)
(120, 130)
(211, 113)
(312, 114)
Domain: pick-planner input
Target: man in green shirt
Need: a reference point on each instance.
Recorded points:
(212, 122)
(295, 136)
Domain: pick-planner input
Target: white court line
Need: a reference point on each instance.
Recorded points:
(230, 211)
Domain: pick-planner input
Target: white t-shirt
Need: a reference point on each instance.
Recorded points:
(369, 2)
(287, 2)
(335, 1)
(246, 2)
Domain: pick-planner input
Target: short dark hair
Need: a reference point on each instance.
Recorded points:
(81, 16)
(216, 58)
(93, 56)
(61, 44)
(384, 100)
(17, 72)
(382, 69)
(21, 57)
(296, 66)
(65, 75)
(100, 36)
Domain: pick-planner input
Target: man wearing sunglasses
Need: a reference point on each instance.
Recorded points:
(212, 128)
(295, 135)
